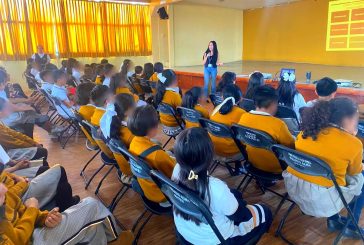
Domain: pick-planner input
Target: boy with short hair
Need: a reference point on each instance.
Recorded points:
(59, 91)
(325, 90)
(47, 80)
(109, 71)
(262, 118)
(143, 123)
(101, 95)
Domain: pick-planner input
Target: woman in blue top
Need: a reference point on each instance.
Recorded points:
(210, 62)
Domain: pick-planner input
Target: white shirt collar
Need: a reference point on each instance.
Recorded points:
(260, 113)
(176, 89)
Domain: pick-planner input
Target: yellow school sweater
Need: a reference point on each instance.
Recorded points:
(87, 111)
(95, 119)
(173, 99)
(158, 160)
(124, 90)
(275, 127)
(11, 139)
(223, 146)
(339, 149)
(204, 113)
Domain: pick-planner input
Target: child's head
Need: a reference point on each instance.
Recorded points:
(144, 121)
(5, 108)
(232, 95)
(326, 88)
(109, 70)
(124, 105)
(138, 70)
(64, 63)
(167, 80)
(192, 97)
(60, 78)
(104, 61)
(83, 93)
(36, 65)
(194, 153)
(101, 95)
(148, 70)
(266, 99)
(287, 89)
(118, 81)
(158, 67)
(226, 79)
(47, 76)
(256, 79)
(126, 66)
(99, 70)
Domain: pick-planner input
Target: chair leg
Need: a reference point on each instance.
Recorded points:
(138, 220)
(165, 144)
(280, 204)
(103, 178)
(141, 228)
(118, 197)
(214, 166)
(68, 138)
(93, 176)
(89, 161)
(278, 232)
(242, 182)
(247, 183)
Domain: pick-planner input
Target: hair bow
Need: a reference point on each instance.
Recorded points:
(289, 77)
(192, 175)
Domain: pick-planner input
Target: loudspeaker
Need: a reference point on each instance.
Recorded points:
(163, 13)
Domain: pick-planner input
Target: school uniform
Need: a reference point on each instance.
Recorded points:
(98, 113)
(11, 139)
(98, 80)
(260, 158)
(61, 94)
(47, 87)
(158, 160)
(174, 99)
(86, 111)
(204, 113)
(36, 74)
(125, 90)
(343, 153)
(226, 147)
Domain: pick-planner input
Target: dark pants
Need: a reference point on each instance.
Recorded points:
(64, 196)
(41, 153)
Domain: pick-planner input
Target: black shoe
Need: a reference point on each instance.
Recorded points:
(76, 199)
(353, 233)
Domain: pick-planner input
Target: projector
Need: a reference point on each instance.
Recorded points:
(344, 83)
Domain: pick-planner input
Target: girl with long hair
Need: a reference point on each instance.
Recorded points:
(191, 100)
(237, 221)
(256, 79)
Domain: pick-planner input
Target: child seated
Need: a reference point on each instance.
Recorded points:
(226, 79)
(99, 71)
(77, 72)
(191, 100)
(118, 85)
(47, 81)
(35, 71)
(101, 95)
(266, 103)
(109, 71)
(256, 79)
(169, 93)
(237, 222)
(126, 68)
(158, 69)
(83, 93)
(143, 123)
(325, 90)
(60, 92)
(228, 113)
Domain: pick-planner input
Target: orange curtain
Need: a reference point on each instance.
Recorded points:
(73, 28)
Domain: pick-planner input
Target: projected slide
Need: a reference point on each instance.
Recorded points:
(345, 28)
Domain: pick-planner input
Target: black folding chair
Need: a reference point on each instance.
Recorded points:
(289, 116)
(141, 170)
(221, 131)
(166, 109)
(52, 111)
(216, 98)
(313, 166)
(247, 105)
(262, 140)
(189, 115)
(361, 129)
(132, 87)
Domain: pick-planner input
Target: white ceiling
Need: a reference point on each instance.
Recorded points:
(241, 4)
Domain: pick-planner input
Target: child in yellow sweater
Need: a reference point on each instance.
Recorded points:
(191, 100)
(101, 95)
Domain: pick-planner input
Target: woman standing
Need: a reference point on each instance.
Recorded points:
(210, 62)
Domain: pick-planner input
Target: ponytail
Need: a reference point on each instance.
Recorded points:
(191, 97)
(166, 80)
(325, 114)
(232, 95)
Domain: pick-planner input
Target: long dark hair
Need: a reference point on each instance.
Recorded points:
(122, 103)
(194, 151)
(256, 80)
(125, 67)
(216, 51)
(226, 79)
(325, 113)
(230, 90)
(286, 92)
(191, 97)
(148, 71)
(161, 87)
(116, 81)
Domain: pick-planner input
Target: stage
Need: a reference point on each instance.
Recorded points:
(193, 76)
(318, 71)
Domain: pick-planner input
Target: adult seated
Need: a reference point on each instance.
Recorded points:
(328, 133)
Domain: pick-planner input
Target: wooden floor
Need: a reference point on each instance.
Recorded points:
(356, 74)
(299, 229)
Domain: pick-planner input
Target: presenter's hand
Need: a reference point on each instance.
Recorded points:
(220, 64)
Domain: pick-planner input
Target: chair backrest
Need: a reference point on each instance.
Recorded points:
(132, 87)
(139, 167)
(168, 110)
(361, 129)
(253, 137)
(59, 105)
(216, 129)
(186, 201)
(286, 112)
(189, 114)
(96, 135)
(216, 99)
(247, 105)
